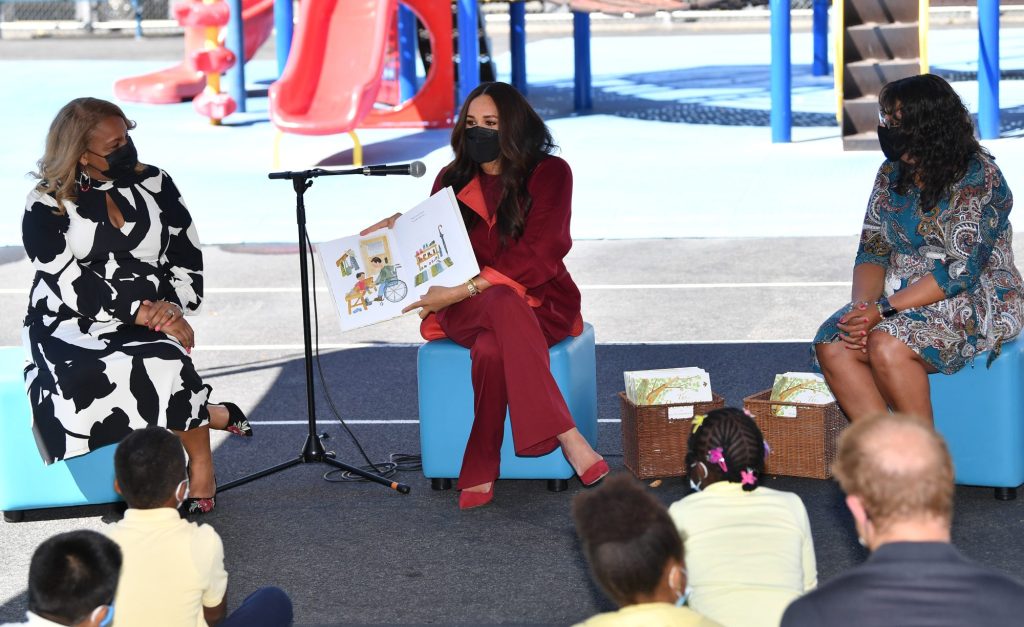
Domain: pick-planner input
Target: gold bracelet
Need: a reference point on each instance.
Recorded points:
(473, 289)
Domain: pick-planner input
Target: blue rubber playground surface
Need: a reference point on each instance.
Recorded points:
(678, 143)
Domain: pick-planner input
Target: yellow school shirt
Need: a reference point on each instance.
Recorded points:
(171, 569)
(649, 615)
(748, 554)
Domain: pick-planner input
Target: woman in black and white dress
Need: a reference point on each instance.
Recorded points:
(118, 264)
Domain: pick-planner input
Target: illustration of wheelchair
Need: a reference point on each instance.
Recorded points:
(393, 288)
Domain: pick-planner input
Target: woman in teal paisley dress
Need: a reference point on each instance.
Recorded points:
(934, 281)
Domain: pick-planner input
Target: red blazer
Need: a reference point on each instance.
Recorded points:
(533, 264)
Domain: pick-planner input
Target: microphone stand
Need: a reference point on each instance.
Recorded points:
(313, 450)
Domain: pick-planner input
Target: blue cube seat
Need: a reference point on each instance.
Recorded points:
(27, 483)
(980, 413)
(446, 410)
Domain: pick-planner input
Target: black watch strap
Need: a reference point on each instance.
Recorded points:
(885, 308)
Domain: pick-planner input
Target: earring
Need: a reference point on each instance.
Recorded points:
(84, 180)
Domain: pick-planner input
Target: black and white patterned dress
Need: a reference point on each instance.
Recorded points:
(92, 374)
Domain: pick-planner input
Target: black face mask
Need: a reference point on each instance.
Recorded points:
(893, 142)
(120, 161)
(482, 144)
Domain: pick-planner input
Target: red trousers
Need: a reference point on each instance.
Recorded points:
(511, 370)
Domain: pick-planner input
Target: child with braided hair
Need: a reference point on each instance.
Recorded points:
(748, 548)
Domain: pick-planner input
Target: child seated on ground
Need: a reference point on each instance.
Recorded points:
(748, 547)
(72, 579)
(173, 572)
(635, 555)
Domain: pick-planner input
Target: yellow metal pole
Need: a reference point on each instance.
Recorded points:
(357, 150)
(922, 35)
(839, 34)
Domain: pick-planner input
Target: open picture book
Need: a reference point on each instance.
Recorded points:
(373, 277)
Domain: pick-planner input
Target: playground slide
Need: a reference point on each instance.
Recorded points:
(182, 81)
(334, 68)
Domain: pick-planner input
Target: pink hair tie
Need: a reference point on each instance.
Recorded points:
(747, 477)
(717, 456)
(749, 413)
(767, 449)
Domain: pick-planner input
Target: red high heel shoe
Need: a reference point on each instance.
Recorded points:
(469, 500)
(595, 473)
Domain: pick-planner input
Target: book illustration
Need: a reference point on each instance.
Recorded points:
(388, 286)
(373, 277)
(347, 263)
(799, 387)
(432, 258)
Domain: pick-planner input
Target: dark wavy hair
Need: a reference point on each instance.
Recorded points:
(740, 439)
(938, 130)
(525, 141)
(627, 537)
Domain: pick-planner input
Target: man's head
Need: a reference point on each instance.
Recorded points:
(898, 477)
(73, 578)
(150, 468)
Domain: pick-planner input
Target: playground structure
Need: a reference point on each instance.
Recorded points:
(185, 80)
(325, 90)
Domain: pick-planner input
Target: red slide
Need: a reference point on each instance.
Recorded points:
(183, 81)
(334, 68)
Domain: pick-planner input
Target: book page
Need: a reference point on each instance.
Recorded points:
(363, 275)
(433, 239)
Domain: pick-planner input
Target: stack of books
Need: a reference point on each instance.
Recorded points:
(668, 386)
(799, 387)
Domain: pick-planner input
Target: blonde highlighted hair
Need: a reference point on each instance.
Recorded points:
(898, 466)
(66, 141)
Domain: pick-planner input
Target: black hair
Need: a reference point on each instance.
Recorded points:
(72, 574)
(741, 442)
(149, 463)
(376, 260)
(525, 141)
(360, 274)
(938, 130)
(627, 536)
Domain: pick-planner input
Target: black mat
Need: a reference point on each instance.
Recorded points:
(360, 553)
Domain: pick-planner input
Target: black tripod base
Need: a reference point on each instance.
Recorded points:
(313, 452)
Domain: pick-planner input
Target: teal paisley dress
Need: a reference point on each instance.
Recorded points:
(965, 243)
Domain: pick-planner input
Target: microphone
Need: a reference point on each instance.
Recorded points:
(415, 169)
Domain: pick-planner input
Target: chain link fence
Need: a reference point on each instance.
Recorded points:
(87, 13)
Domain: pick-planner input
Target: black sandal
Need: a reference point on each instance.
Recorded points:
(193, 506)
(238, 424)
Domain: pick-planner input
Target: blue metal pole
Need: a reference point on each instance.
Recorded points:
(820, 27)
(583, 90)
(407, 46)
(469, 48)
(235, 41)
(284, 23)
(988, 68)
(517, 44)
(781, 73)
(137, 10)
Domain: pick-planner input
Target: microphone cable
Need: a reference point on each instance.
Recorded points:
(397, 462)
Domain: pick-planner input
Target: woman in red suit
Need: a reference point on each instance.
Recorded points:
(516, 202)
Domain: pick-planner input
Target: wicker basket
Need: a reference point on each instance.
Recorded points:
(655, 437)
(804, 446)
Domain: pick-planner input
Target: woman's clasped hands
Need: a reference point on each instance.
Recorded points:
(167, 317)
(857, 323)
